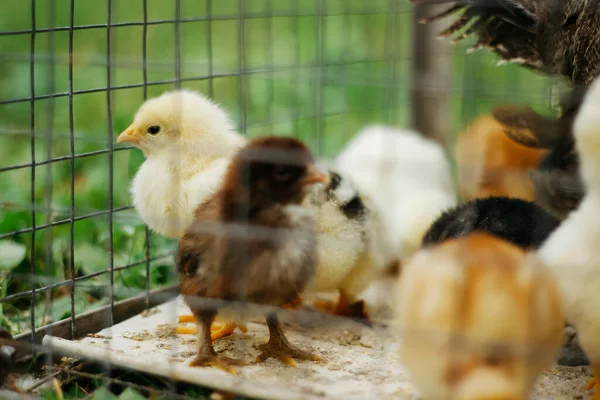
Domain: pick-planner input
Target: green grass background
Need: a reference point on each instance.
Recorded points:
(318, 77)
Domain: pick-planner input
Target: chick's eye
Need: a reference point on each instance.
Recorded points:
(153, 130)
(281, 173)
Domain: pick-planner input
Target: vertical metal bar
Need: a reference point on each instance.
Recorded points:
(48, 190)
(32, 132)
(177, 44)
(270, 60)
(145, 78)
(318, 77)
(295, 27)
(242, 66)
(347, 50)
(211, 84)
(72, 182)
(145, 47)
(390, 61)
(111, 261)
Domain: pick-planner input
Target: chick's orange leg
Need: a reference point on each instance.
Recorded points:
(293, 305)
(279, 347)
(218, 329)
(207, 357)
(594, 383)
(343, 307)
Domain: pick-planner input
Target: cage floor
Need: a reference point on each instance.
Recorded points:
(354, 365)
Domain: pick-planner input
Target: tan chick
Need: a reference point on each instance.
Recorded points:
(489, 163)
(253, 241)
(480, 319)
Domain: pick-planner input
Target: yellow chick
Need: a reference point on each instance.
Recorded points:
(480, 319)
(571, 252)
(187, 141)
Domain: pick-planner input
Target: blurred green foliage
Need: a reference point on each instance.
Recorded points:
(352, 42)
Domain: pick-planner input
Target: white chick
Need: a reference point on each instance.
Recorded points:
(572, 249)
(480, 319)
(406, 176)
(187, 140)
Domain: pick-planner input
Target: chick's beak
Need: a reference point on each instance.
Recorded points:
(130, 135)
(313, 175)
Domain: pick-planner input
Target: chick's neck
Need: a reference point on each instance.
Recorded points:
(191, 158)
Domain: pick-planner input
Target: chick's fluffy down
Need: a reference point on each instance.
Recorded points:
(351, 240)
(185, 163)
(479, 318)
(406, 176)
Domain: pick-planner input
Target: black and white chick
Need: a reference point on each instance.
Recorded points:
(352, 243)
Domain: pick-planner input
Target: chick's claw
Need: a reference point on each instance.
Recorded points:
(217, 329)
(222, 329)
(343, 307)
(594, 383)
(293, 305)
(279, 347)
(212, 360)
(284, 352)
(186, 318)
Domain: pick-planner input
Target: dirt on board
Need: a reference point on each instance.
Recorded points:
(356, 362)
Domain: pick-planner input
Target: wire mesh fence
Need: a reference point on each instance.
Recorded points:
(73, 73)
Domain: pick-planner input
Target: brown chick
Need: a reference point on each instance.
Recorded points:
(480, 317)
(253, 241)
(489, 163)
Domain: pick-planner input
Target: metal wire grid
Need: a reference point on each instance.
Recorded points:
(319, 69)
(389, 104)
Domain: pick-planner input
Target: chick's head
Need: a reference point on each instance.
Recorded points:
(480, 319)
(271, 170)
(181, 120)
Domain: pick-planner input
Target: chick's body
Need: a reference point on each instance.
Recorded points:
(480, 319)
(188, 141)
(351, 243)
(407, 179)
(572, 250)
(253, 241)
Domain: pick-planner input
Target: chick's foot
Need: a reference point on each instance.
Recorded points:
(279, 347)
(594, 383)
(283, 351)
(226, 364)
(293, 305)
(218, 329)
(222, 329)
(343, 307)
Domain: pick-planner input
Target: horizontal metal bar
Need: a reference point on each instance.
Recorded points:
(94, 321)
(191, 79)
(16, 296)
(63, 158)
(62, 222)
(195, 19)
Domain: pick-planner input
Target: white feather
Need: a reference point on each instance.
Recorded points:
(405, 175)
